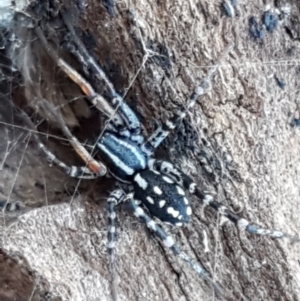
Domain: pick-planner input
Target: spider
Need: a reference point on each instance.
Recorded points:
(157, 189)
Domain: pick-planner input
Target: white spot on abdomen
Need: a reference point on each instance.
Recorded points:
(173, 212)
(168, 180)
(189, 210)
(140, 181)
(162, 203)
(180, 190)
(186, 201)
(157, 190)
(150, 200)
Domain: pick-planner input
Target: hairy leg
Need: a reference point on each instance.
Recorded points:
(117, 101)
(96, 99)
(95, 166)
(115, 198)
(82, 172)
(170, 244)
(185, 181)
(164, 130)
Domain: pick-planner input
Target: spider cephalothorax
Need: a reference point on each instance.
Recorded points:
(158, 186)
(127, 162)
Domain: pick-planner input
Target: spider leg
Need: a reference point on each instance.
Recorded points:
(130, 118)
(170, 244)
(185, 181)
(81, 172)
(115, 198)
(164, 130)
(96, 99)
(93, 165)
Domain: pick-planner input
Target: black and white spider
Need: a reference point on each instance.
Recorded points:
(159, 189)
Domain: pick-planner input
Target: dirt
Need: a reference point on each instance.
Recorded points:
(245, 128)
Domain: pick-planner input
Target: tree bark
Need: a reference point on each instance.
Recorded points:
(156, 53)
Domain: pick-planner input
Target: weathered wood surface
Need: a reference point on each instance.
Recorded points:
(244, 122)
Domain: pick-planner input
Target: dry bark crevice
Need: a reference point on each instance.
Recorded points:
(241, 127)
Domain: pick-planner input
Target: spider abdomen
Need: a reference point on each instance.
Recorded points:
(164, 199)
(122, 156)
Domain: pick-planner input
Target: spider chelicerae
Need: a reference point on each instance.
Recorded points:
(156, 188)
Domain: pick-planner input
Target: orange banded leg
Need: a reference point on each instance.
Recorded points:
(82, 172)
(94, 166)
(96, 99)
